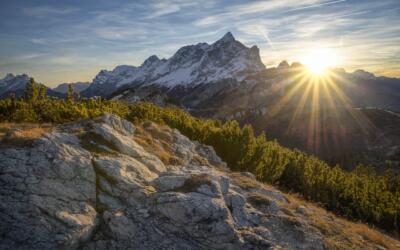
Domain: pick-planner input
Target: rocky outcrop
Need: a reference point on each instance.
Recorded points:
(107, 184)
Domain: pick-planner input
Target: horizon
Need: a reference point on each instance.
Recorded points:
(71, 42)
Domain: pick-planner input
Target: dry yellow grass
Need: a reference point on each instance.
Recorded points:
(244, 181)
(258, 200)
(21, 134)
(159, 147)
(340, 233)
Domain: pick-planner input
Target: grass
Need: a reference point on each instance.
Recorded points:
(338, 233)
(258, 200)
(21, 135)
(156, 142)
(244, 181)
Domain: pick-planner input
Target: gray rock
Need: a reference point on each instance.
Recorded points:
(64, 193)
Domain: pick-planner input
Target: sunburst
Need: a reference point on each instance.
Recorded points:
(317, 93)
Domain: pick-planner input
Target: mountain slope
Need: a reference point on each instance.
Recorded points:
(189, 66)
(106, 184)
(346, 119)
(77, 87)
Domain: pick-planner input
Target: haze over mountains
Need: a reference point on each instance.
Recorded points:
(357, 119)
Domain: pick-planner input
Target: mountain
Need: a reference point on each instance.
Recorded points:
(105, 183)
(350, 118)
(190, 66)
(12, 84)
(77, 87)
(227, 80)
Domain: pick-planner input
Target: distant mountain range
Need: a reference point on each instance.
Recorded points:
(349, 118)
(77, 87)
(12, 84)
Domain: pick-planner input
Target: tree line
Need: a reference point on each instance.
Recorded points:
(361, 194)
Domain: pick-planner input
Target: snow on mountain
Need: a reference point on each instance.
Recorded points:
(191, 65)
(16, 84)
(77, 86)
(11, 84)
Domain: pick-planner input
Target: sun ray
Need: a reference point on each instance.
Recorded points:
(302, 102)
(276, 108)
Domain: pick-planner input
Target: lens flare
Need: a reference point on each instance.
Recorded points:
(320, 59)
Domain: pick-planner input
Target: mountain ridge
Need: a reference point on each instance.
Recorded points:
(190, 65)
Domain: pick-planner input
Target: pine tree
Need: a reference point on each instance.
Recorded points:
(70, 94)
(32, 90)
(42, 92)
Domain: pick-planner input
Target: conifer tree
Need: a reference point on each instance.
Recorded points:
(70, 94)
(32, 90)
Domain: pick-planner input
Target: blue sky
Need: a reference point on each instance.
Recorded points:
(66, 41)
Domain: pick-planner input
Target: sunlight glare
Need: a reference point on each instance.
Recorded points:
(320, 59)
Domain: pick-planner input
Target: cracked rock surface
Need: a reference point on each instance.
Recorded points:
(107, 184)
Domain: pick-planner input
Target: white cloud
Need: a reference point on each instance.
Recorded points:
(45, 11)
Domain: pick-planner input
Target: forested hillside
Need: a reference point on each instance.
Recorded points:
(359, 195)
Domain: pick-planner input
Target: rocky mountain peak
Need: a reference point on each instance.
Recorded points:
(12, 84)
(284, 64)
(150, 61)
(8, 77)
(191, 65)
(228, 37)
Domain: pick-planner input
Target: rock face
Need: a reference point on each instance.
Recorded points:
(106, 184)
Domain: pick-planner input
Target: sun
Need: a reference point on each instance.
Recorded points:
(320, 59)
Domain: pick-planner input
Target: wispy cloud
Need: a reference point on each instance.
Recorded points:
(240, 10)
(164, 8)
(45, 11)
(316, 5)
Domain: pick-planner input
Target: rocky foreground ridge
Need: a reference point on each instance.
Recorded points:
(107, 184)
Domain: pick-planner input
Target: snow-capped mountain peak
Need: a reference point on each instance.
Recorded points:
(11, 83)
(228, 37)
(191, 65)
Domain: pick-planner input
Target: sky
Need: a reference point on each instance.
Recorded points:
(72, 40)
